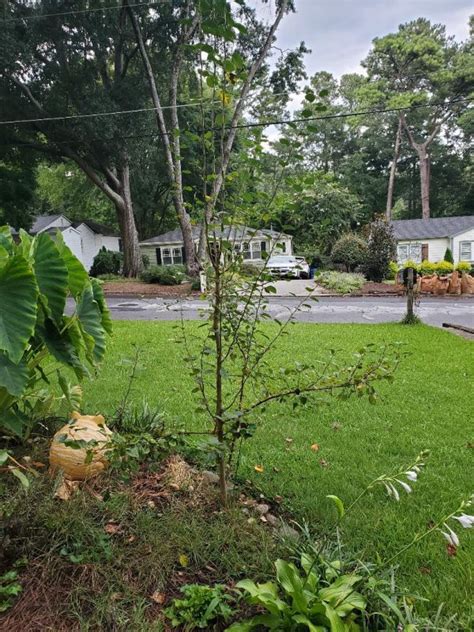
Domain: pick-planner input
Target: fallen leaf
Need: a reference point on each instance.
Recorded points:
(278, 499)
(66, 489)
(425, 570)
(263, 518)
(37, 464)
(183, 560)
(315, 447)
(451, 549)
(112, 528)
(276, 469)
(258, 468)
(336, 426)
(289, 440)
(158, 597)
(323, 463)
(131, 539)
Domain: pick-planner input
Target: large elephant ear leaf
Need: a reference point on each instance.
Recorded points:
(6, 239)
(13, 377)
(101, 302)
(90, 317)
(18, 306)
(51, 275)
(77, 274)
(63, 347)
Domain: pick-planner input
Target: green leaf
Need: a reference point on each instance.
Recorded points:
(62, 345)
(6, 239)
(337, 624)
(51, 275)
(90, 318)
(3, 457)
(77, 274)
(102, 303)
(300, 618)
(20, 476)
(18, 306)
(13, 377)
(339, 505)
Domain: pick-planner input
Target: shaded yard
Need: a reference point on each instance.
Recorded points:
(429, 406)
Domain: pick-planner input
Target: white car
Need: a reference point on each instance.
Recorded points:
(288, 266)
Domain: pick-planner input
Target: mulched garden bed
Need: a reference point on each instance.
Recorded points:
(137, 288)
(381, 288)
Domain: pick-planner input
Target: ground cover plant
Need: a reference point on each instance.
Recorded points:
(341, 282)
(336, 449)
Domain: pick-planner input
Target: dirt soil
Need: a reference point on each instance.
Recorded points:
(381, 288)
(137, 288)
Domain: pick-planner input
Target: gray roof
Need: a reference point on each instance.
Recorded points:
(97, 227)
(433, 228)
(41, 222)
(232, 233)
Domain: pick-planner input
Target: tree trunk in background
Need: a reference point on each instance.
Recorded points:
(425, 175)
(130, 245)
(393, 171)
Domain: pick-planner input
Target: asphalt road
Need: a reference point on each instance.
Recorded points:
(432, 310)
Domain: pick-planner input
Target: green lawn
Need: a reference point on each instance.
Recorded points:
(429, 406)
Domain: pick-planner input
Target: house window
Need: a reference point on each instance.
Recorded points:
(246, 250)
(177, 256)
(465, 251)
(256, 252)
(411, 252)
(166, 257)
(281, 246)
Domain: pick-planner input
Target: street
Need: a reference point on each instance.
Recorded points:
(432, 310)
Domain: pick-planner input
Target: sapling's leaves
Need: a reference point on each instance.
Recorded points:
(51, 276)
(13, 377)
(3, 457)
(339, 505)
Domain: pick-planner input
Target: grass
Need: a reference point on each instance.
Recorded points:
(429, 406)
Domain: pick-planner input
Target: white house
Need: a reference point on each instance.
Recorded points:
(168, 249)
(419, 239)
(85, 238)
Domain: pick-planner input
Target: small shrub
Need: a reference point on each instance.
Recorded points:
(444, 267)
(145, 261)
(381, 249)
(411, 264)
(106, 262)
(464, 266)
(393, 270)
(196, 285)
(164, 275)
(341, 282)
(200, 606)
(448, 255)
(427, 267)
(350, 250)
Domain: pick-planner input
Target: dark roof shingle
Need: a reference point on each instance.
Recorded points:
(433, 228)
(231, 233)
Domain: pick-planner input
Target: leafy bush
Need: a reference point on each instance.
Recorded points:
(164, 275)
(145, 261)
(341, 282)
(350, 250)
(381, 249)
(106, 262)
(37, 275)
(442, 268)
(200, 606)
(411, 264)
(427, 267)
(393, 270)
(448, 256)
(463, 266)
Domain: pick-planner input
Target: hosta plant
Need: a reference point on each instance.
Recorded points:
(304, 599)
(37, 275)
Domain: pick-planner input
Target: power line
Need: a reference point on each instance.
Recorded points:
(242, 125)
(82, 11)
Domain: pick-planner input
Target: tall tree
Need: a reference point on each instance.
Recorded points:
(210, 28)
(420, 65)
(57, 73)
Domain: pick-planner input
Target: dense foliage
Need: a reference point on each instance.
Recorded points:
(106, 262)
(164, 275)
(381, 250)
(349, 250)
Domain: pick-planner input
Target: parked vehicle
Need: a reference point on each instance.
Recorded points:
(288, 266)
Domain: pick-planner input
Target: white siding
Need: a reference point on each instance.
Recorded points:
(467, 236)
(436, 247)
(72, 239)
(92, 242)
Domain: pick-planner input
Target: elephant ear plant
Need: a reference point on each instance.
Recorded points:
(37, 275)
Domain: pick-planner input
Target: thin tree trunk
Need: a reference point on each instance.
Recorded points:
(393, 170)
(425, 177)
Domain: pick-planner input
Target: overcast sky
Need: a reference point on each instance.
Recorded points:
(339, 32)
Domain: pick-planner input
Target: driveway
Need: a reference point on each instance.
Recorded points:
(432, 310)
